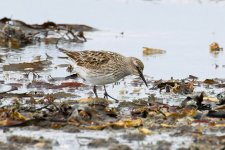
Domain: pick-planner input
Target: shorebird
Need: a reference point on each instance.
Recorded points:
(99, 68)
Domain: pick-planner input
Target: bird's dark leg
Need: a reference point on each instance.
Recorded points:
(95, 91)
(106, 95)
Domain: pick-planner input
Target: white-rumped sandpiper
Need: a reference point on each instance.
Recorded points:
(104, 67)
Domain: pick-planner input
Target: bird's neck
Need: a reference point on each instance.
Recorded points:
(130, 65)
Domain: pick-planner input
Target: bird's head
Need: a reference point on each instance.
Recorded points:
(137, 68)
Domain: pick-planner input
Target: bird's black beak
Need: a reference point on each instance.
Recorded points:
(142, 76)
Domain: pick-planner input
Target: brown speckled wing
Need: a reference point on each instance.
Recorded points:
(90, 59)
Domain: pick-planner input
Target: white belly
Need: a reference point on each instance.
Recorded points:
(99, 80)
(96, 79)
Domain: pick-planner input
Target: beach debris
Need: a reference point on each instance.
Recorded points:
(16, 33)
(152, 51)
(182, 87)
(215, 47)
(27, 66)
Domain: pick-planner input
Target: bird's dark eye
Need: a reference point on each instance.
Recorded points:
(138, 69)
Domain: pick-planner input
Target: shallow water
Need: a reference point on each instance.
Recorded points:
(184, 29)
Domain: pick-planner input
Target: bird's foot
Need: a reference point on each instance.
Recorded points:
(106, 95)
